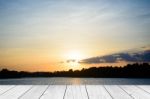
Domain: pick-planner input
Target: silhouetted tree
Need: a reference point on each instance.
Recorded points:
(131, 70)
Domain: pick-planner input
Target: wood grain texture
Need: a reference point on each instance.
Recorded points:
(35, 92)
(5, 88)
(135, 92)
(97, 92)
(145, 88)
(54, 92)
(116, 92)
(15, 92)
(76, 92)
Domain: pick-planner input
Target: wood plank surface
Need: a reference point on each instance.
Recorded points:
(54, 92)
(76, 92)
(135, 92)
(116, 92)
(5, 88)
(145, 88)
(35, 92)
(97, 92)
(15, 92)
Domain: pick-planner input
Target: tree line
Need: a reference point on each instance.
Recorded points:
(129, 71)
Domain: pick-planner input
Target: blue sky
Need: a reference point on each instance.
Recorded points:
(48, 29)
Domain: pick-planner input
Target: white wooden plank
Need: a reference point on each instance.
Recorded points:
(35, 92)
(97, 92)
(76, 92)
(145, 87)
(5, 88)
(54, 92)
(15, 92)
(116, 92)
(135, 92)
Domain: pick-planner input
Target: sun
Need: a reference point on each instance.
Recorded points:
(75, 55)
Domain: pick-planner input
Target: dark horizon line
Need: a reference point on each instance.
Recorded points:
(113, 66)
(129, 71)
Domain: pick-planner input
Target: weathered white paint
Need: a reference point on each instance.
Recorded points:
(15, 92)
(35, 92)
(74, 91)
(97, 92)
(136, 92)
(116, 92)
(54, 92)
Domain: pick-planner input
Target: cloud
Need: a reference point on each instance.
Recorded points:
(138, 56)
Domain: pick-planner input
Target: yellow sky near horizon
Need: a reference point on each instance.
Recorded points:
(38, 35)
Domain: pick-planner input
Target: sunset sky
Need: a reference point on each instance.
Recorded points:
(36, 34)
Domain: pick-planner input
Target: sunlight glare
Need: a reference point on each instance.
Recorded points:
(76, 55)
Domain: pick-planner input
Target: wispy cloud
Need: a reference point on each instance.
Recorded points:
(52, 27)
(131, 56)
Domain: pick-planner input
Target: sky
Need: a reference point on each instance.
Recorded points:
(35, 34)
